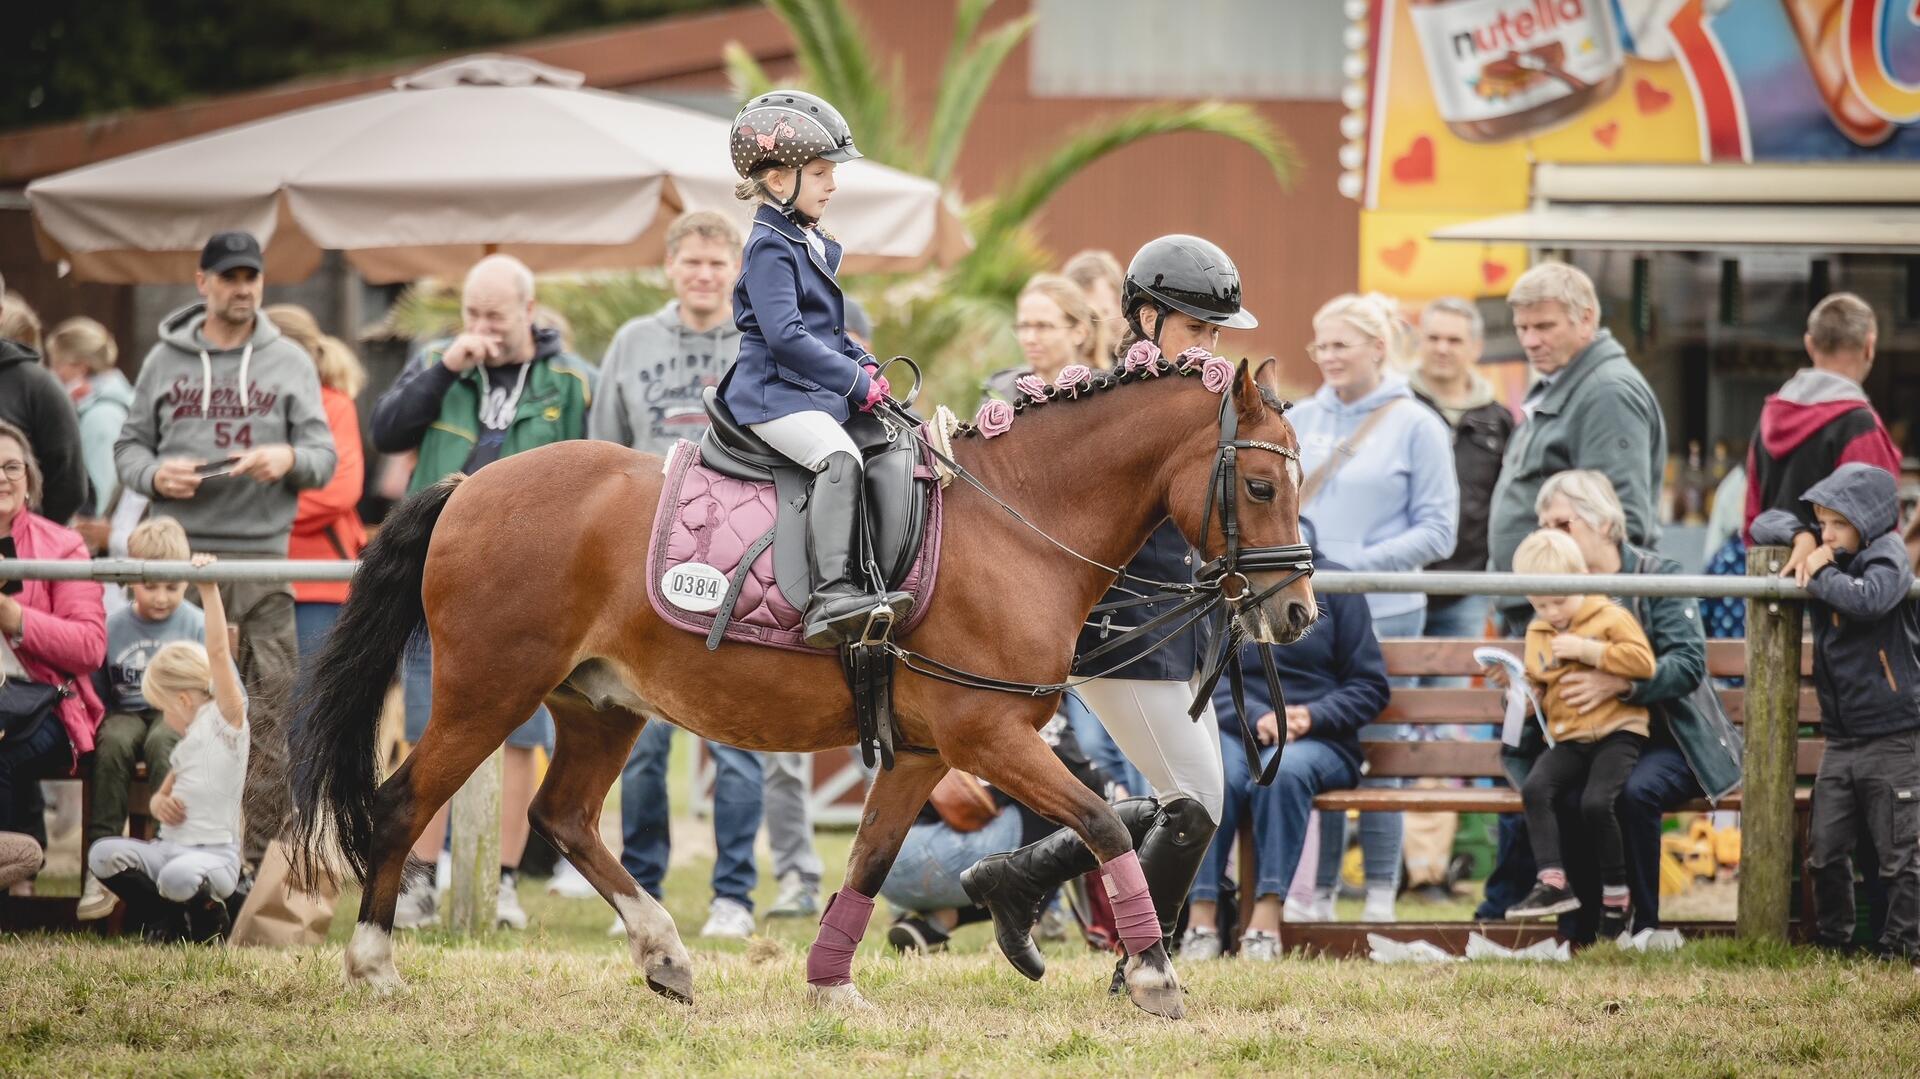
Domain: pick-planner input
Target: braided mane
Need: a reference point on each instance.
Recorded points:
(1111, 380)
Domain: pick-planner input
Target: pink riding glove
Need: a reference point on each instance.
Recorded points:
(876, 392)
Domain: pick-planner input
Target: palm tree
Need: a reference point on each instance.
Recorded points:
(958, 323)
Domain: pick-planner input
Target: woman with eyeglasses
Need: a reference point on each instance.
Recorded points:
(1055, 325)
(1382, 495)
(53, 635)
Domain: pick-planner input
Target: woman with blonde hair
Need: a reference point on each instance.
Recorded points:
(1100, 276)
(81, 354)
(1056, 328)
(326, 526)
(1382, 495)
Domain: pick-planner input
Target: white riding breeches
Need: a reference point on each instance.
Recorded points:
(807, 438)
(1148, 721)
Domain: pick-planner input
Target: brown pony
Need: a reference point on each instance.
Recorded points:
(530, 579)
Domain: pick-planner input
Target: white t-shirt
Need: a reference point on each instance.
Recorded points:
(209, 775)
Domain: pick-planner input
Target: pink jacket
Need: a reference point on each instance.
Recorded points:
(63, 630)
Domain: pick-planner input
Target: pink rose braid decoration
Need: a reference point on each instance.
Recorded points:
(1192, 358)
(1033, 386)
(1217, 374)
(1141, 357)
(995, 418)
(1074, 378)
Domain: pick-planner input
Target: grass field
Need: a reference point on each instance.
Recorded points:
(563, 998)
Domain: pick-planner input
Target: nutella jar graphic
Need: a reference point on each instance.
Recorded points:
(1502, 69)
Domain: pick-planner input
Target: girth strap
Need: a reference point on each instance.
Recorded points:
(723, 617)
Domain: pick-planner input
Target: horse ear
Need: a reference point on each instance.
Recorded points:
(1246, 394)
(1267, 375)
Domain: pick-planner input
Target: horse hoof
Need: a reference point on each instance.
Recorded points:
(1153, 987)
(839, 998)
(1165, 1001)
(369, 960)
(673, 981)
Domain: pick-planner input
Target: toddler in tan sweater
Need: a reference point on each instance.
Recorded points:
(1592, 753)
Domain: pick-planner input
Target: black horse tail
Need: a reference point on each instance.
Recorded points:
(335, 742)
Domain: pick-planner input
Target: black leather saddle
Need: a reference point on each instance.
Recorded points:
(899, 486)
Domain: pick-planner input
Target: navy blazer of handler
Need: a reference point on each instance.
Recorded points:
(795, 355)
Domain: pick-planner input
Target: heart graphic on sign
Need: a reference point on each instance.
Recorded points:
(1416, 165)
(1650, 98)
(1400, 259)
(1492, 272)
(1606, 133)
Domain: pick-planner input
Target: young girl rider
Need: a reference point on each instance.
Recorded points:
(1180, 291)
(799, 378)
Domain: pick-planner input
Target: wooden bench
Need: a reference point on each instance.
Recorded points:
(1480, 759)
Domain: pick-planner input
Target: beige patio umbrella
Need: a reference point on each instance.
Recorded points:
(487, 153)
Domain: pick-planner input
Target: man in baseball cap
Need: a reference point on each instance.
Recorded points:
(225, 430)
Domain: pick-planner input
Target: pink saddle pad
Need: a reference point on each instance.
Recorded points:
(707, 523)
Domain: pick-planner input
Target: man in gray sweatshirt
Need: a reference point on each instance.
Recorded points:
(657, 365)
(226, 429)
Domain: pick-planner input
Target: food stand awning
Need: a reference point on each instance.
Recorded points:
(1852, 207)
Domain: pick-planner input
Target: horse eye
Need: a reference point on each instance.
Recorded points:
(1261, 490)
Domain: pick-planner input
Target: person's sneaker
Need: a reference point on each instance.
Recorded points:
(1544, 901)
(1378, 908)
(1293, 910)
(1432, 893)
(418, 906)
(442, 872)
(797, 899)
(567, 883)
(95, 901)
(1613, 923)
(912, 933)
(507, 911)
(728, 918)
(1260, 946)
(1199, 943)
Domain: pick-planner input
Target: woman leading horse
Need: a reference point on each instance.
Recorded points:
(1179, 293)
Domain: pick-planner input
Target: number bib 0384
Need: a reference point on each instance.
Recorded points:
(694, 586)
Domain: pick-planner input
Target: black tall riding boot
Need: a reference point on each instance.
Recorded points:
(1170, 857)
(148, 912)
(1012, 885)
(842, 601)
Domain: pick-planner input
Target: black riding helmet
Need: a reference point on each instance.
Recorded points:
(789, 128)
(1186, 274)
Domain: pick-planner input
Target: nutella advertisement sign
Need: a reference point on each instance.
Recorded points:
(1501, 69)
(1467, 97)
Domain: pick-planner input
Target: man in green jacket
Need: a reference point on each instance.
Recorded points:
(1591, 408)
(502, 386)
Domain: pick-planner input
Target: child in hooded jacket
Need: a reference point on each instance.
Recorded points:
(1866, 631)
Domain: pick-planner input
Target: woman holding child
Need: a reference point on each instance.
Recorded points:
(53, 635)
(1692, 750)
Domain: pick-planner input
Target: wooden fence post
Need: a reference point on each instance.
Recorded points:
(475, 824)
(1772, 736)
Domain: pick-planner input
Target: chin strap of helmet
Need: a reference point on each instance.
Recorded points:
(1160, 313)
(787, 207)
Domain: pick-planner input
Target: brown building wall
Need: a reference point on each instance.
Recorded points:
(1295, 248)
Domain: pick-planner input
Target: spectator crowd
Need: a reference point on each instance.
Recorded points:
(239, 439)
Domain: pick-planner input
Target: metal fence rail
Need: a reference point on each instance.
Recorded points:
(1453, 583)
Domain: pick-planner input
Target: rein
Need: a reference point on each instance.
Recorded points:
(1196, 601)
